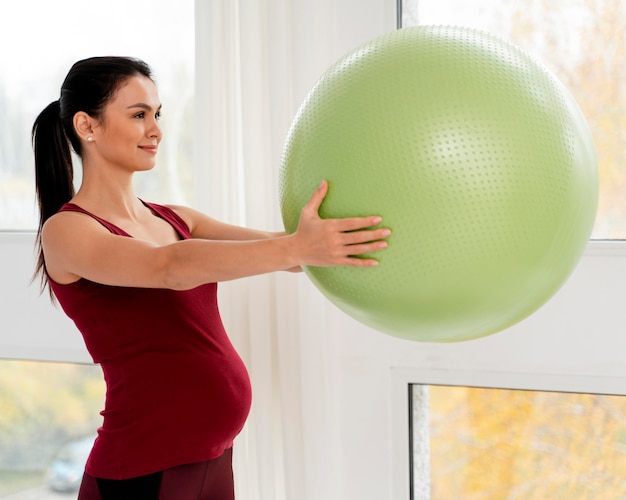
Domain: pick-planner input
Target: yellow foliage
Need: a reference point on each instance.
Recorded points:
(496, 444)
(36, 395)
(595, 75)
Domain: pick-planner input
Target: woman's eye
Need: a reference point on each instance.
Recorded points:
(158, 115)
(140, 115)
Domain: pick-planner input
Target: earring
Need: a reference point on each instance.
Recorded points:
(89, 139)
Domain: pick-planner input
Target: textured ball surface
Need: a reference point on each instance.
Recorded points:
(476, 157)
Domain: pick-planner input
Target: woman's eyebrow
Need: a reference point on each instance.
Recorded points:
(143, 105)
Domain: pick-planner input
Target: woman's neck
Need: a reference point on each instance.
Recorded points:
(108, 195)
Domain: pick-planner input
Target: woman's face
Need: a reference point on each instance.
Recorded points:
(129, 133)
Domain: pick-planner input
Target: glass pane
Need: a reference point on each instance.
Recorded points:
(42, 49)
(50, 413)
(512, 444)
(583, 42)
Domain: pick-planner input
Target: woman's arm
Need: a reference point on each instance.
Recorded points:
(76, 246)
(204, 227)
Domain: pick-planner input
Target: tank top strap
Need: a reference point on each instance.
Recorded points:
(70, 207)
(162, 211)
(172, 217)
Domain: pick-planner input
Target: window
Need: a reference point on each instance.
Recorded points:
(42, 49)
(533, 441)
(583, 42)
(501, 443)
(50, 412)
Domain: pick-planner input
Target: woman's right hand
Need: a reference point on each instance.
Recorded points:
(336, 242)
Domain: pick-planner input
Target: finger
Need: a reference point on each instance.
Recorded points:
(315, 202)
(356, 237)
(359, 262)
(363, 248)
(356, 223)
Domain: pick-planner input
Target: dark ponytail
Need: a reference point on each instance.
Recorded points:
(54, 172)
(88, 87)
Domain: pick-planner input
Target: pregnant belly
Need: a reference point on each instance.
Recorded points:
(172, 412)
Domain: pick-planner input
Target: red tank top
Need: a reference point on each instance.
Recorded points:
(177, 391)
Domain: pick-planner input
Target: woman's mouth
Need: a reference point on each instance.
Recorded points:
(152, 149)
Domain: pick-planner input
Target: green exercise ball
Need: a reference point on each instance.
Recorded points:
(476, 157)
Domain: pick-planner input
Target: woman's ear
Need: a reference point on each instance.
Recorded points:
(84, 125)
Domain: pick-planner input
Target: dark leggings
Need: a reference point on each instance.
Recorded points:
(210, 480)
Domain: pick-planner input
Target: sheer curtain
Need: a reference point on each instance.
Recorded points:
(256, 61)
(247, 101)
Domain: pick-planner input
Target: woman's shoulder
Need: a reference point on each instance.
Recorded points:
(68, 221)
(187, 214)
(177, 215)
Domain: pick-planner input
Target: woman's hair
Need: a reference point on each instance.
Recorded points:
(88, 87)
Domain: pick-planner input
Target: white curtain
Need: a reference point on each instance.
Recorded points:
(256, 61)
(246, 91)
